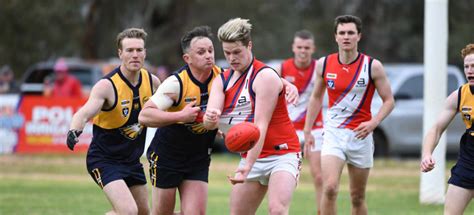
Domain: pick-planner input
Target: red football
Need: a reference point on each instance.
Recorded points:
(242, 137)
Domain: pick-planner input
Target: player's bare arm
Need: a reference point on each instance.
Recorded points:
(292, 94)
(154, 112)
(214, 105)
(156, 82)
(315, 102)
(101, 96)
(382, 85)
(432, 136)
(266, 100)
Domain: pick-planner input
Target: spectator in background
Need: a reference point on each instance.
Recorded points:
(65, 85)
(7, 81)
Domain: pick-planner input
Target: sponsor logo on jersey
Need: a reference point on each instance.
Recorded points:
(131, 131)
(242, 101)
(331, 75)
(361, 83)
(466, 109)
(190, 99)
(346, 69)
(331, 84)
(124, 102)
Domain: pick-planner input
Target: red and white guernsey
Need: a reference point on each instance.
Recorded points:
(303, 79)
(239, 106)
(350, 91)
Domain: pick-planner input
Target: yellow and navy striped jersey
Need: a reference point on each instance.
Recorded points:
(117, 133)
(193, 90)
(187, 144)
(466, 104)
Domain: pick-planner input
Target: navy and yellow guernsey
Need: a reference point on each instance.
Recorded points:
(117, 134)
(180, 146)
(466, 108)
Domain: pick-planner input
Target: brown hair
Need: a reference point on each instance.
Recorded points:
(131, 33)
(348, 19)
(304, 34)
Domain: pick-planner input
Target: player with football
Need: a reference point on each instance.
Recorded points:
(252, 91)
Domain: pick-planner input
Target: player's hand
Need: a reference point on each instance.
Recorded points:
(190, 112)
(212, 115)
(292, 94)
(427, 163)
(308, 142)
(72, 138)
(364, 129)
(240, 175)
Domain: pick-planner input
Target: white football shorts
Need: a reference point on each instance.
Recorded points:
(341, 142)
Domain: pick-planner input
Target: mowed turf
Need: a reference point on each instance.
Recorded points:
(59, 184)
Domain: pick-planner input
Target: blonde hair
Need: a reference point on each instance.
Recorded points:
(234, 30)
(137, 33)
(469, 49)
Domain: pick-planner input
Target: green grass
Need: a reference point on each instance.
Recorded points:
(59, 184)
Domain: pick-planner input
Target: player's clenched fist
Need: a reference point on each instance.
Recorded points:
(72, 138)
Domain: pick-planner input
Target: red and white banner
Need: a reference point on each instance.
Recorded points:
(46, 123)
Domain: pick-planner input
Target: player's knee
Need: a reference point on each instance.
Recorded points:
(318, 179)
(330, 191)
(357, 199)
(143, 210)
(129, 209)
(277, 208)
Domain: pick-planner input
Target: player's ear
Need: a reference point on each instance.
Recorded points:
(249, 46)
(186, 58)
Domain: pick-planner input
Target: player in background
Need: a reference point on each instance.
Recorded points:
(118, 141)
(461, 184)
(251, 91)
(299, 70)
(350, 78)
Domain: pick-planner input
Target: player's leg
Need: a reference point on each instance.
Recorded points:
(358, 182)
(360, 159)
(280, 191)
(333, 159)
(457, 199)
(313, 154)
(163, 200)
(331, 169)
(193, 194)
(140, 194)
(285, 171)
(314, 160)
(120, 197)
(245, 198)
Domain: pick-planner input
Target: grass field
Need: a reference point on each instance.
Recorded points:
(58, 184)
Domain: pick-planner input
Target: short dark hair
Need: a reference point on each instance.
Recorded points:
(136, 33)
(343, 19)
(199, 31)
(304, 34)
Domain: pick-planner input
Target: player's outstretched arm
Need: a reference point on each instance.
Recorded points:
(102, 91)
(214, 105)
(432, 136)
